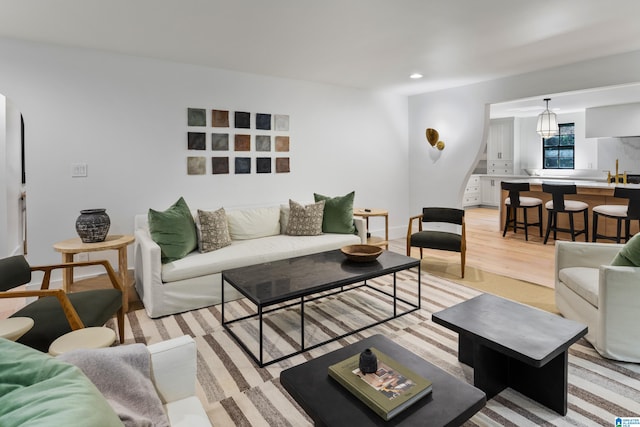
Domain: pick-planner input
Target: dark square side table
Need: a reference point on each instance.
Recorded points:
(509, 344)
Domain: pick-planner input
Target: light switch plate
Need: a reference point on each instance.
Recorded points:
(78, 170)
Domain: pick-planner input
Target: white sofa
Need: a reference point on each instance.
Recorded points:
(173, 371)
(604, 297)
(258, 235)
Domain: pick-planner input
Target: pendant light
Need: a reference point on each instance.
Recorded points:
(547, 122)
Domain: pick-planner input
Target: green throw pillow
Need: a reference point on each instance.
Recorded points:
(174, 230)
(39, 390)
(629, 255)
(338, 213)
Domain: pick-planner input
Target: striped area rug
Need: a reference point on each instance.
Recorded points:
(235, 392)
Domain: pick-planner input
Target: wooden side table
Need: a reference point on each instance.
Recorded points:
(377, 241)
(70, 247)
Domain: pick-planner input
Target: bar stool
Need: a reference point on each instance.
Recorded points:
(559, 205)
(620, 213)
(515, 201)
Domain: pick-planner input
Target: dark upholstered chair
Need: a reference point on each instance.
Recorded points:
(558, 204)
(515, 202)
(626, 213)
(436, 239)
(57, 312)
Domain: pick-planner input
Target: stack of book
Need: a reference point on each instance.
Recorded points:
(388, 391)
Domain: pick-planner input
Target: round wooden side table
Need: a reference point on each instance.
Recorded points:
(366, 213)
(85, 338)
(118, 242)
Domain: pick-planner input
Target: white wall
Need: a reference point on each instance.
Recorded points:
(4, 247)
(126, 118)
(461, 116)
(626, 150)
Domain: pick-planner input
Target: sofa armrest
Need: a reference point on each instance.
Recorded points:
(584, 254)
(148, 267)
(618, 308)
(173, 368)
(361, 228)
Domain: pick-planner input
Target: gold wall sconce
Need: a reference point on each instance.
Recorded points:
(434, 139)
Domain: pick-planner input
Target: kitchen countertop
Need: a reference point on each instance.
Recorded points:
(578, 182)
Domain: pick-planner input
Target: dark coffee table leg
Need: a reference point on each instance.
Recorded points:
(494, 371)
(490, 370)
(465, 349)
(546, 384)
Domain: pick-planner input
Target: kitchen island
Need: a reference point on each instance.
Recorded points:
(593, 193)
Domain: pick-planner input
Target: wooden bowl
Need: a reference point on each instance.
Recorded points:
(361, 253)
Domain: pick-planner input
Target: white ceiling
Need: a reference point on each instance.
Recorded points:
(569, 102)
(370, 44)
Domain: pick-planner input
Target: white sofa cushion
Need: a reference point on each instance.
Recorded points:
(583, 281)
(187, 412)
(254, 223)
(255, 251)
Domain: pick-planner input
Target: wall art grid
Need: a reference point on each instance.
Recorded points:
(240, 142)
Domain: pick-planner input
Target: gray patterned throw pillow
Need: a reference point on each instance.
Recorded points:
(214, 230)
(305, 220)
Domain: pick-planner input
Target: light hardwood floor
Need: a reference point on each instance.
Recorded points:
(487, 250)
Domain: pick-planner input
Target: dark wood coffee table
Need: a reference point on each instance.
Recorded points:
(308, 278)
(509, 344)
(451, 402)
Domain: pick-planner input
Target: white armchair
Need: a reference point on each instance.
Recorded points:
(173, 371)
(604, 297)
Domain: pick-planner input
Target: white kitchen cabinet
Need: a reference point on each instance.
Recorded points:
(500, 146)
(472, 192)
(499, 167)
(490, 191)
(612, 121)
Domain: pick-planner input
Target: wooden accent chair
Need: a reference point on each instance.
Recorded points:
(514, 202)
(626, 213)
(439, 239)
(57, 312)
(558, 204)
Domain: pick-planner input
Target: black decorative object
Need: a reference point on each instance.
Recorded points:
(368, 362)
(93, 225)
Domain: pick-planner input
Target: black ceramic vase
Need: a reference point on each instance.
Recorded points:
(93, 225)
(368, 362)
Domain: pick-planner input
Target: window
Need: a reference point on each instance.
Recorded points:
(558, 152)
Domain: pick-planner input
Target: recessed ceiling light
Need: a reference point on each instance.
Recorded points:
(416, 76)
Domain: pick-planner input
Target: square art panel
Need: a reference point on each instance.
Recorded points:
(263, 165)
(281, 122)
(219, 141)
(196, 165)
(242, 143)
(196, 117)
(219, 118)
(196, 141)
(220, 165)
(263, 143)
(282, 143)
(263, 121)
(282, 164)
(242, 120)
(243, 165)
